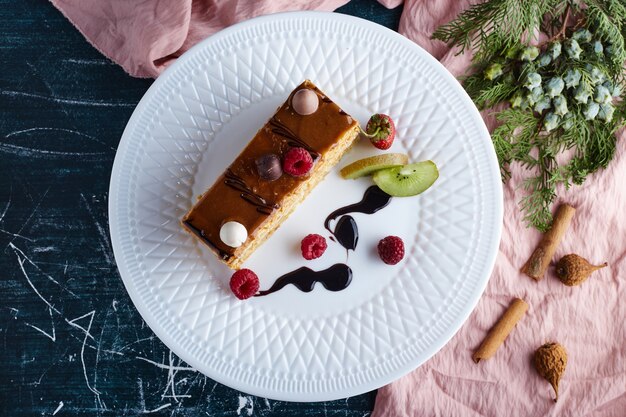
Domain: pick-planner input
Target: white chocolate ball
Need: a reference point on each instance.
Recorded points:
(305, 102)
(233, 234)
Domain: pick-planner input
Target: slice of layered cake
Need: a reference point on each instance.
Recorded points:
(275, 172)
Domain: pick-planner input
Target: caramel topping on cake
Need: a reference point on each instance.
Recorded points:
(240, 194)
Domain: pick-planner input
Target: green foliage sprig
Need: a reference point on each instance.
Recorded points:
(565, 95)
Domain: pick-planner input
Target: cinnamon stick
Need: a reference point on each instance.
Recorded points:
(501, 330)
(538, 262)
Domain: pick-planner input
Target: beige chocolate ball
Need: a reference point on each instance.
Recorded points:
(305, 102)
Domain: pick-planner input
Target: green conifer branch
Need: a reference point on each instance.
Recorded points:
(551, 110)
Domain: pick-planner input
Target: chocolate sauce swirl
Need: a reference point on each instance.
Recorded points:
(335, 278)
(278, 128)
(346, 232)
(373, 200)
(338, 276)
(236, 182)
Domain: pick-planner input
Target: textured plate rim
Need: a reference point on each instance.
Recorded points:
(157, 326)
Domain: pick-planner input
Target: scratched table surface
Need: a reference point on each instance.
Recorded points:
(71, 341)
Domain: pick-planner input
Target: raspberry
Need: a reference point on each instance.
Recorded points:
(391, 250)
(313, 246)
(297, 162)
(244, 284)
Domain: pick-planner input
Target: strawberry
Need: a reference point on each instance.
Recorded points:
(381, 131)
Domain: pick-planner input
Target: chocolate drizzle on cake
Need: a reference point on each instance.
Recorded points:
(325, 99)
(236, 182)
(279, 128)
(201, 235)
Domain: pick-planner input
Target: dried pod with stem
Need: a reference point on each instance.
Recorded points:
(573, 269)
(550, 361)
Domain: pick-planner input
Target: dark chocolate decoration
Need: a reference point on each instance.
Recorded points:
(347, 232)
(343, 113)
(200, 233)
(373, 200)
(236, 182)
(280, 129)
(268, 167)
(326, 99)
(335, 278)
(338, 276)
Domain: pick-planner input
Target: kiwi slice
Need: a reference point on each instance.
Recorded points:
(366, 166)
(407, 180)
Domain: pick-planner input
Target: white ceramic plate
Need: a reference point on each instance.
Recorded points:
(291, 345)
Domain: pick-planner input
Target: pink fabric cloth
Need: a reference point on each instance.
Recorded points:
(588, 320)
(144, 36)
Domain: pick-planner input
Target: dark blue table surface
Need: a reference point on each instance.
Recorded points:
(71, 341)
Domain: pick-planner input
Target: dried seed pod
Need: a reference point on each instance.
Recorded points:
(550, 361)
(573, 269)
